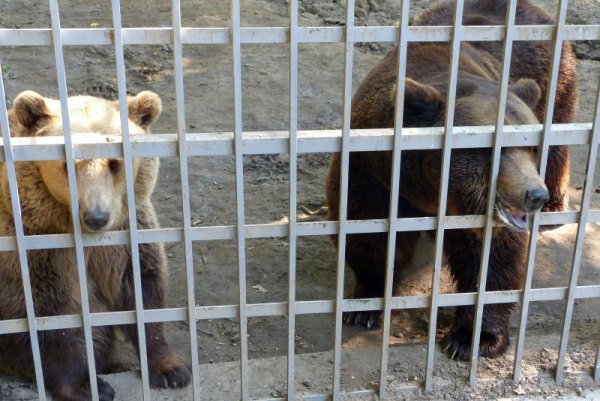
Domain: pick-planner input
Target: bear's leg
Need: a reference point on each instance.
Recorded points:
(366, 254)
(65, 367)
(64, 364)
(63, 355)
(463, 249)
(557, 181)
(166, 367)
(557, 168)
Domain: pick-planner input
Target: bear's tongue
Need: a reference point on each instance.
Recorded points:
(519, 219)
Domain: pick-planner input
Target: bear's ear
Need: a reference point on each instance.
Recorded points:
(528, 91)
(423, 104)
(31, 110)
(144, 108)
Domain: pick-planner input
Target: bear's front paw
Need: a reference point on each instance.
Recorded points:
(554, 205)
(105, 391)
(369, 319)
(81, 391)
(170, 371)
(457, 344)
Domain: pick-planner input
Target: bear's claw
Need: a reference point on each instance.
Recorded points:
(369, 319)
(457, 344)
(173, 377)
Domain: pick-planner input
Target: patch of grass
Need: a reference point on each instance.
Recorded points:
(5, 69)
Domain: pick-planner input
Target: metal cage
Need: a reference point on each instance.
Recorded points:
(183, 144)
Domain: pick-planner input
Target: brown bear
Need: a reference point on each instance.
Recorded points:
(520, 191)
(45, 207)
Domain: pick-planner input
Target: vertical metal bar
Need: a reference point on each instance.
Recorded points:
(526, 296)
(343, 210)
(73, 195)
(185, 197)
(130, 182)
(293, 152)
(543, 159)
(579, 242)
(395, 189)
(239, 184)
(597, 366)
(21, 246)
(443, 196)
(495, 168)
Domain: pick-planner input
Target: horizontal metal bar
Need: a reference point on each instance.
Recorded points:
(302, 308)
(462, 299)
(310, 307)
(257, 35)
(272, 142)
(326, 397)
(274, 230)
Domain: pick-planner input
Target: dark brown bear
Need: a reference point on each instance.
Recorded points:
(45, 206)
(521, 191)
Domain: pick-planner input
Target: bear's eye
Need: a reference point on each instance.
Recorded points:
(114, 166)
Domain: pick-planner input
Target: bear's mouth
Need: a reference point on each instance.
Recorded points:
(512, 217)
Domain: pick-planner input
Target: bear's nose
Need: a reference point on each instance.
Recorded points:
(96, 220)
(535, 199)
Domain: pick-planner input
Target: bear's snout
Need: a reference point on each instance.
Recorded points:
(535, 199)
(96, 220)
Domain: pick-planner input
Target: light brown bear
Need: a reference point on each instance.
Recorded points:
(521, 191)
(45, 205)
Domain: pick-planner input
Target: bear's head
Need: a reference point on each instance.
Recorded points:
(520, 189)
(102, 193)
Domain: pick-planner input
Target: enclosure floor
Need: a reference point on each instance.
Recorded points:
(314, 371)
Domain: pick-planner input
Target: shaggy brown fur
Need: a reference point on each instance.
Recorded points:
(520, 191)
(530, 59)
(45, 205)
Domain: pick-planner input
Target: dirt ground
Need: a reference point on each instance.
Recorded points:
(209, 108)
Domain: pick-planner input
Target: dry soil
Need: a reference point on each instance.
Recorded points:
(209, 108)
